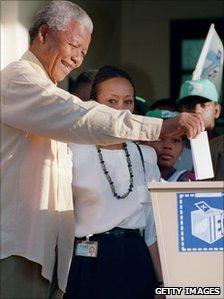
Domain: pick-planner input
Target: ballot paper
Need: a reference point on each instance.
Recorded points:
(202, 157)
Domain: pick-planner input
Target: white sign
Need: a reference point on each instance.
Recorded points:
(210, 62)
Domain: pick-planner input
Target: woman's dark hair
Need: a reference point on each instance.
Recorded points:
(83, 78)
(105, 73)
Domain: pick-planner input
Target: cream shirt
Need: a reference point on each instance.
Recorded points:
(96, 209)
(37, 120)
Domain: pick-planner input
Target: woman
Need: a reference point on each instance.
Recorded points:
(168, 151)
(113, 208)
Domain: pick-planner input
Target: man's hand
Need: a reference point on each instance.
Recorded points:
(190, 124)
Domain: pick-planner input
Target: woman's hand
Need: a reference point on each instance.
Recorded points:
(160, 284)
(159, 297)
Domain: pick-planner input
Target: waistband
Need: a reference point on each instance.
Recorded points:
(117, 232)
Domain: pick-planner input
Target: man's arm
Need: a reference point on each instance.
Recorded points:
(32, 104)
(35, 106)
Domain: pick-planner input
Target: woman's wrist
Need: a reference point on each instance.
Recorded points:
(159, 283)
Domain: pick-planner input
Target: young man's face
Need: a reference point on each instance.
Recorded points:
(209, 110)
(168, 150)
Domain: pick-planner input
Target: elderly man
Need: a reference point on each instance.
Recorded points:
(38, 120)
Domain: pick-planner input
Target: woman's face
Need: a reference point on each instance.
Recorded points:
(168, 150)
(117, 93)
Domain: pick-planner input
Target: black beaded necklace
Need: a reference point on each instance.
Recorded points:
(104, 168)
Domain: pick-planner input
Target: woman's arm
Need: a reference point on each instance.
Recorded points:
(154, 252)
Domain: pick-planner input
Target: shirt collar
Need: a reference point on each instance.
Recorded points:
(172, 171)
(28, 55)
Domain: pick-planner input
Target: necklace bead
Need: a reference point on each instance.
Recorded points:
(108, 177)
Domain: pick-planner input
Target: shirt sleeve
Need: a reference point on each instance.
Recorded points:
(150, 159)
(152, 174)
(150, 230)
(35, 105)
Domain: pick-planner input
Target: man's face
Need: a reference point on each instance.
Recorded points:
(168, 149)
(64, 51)
(209, 110)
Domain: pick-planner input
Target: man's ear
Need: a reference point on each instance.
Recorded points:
(42, 33)
(217, 110)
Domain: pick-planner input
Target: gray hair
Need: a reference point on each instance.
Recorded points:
(57, 14)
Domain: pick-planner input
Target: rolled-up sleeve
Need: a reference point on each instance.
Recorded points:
(35, 105)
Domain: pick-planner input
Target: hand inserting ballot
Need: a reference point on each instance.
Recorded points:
(189, 124)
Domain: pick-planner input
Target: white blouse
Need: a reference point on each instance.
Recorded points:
(96, 208)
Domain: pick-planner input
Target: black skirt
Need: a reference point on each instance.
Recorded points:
(122, 270)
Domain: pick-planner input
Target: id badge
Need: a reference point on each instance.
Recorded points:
(86, 248)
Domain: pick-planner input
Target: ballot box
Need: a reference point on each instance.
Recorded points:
(189, 221)
(207, 223)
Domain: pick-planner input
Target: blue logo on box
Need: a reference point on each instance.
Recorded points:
(201, 221)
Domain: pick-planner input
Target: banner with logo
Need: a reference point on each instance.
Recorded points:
(210, 63)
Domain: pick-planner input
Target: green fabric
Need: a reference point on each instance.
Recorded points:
(142, 105)
(202, 88)
(164, 114)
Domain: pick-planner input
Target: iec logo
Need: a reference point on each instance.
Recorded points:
(201, 221)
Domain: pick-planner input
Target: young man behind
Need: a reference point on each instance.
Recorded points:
(198, 96)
